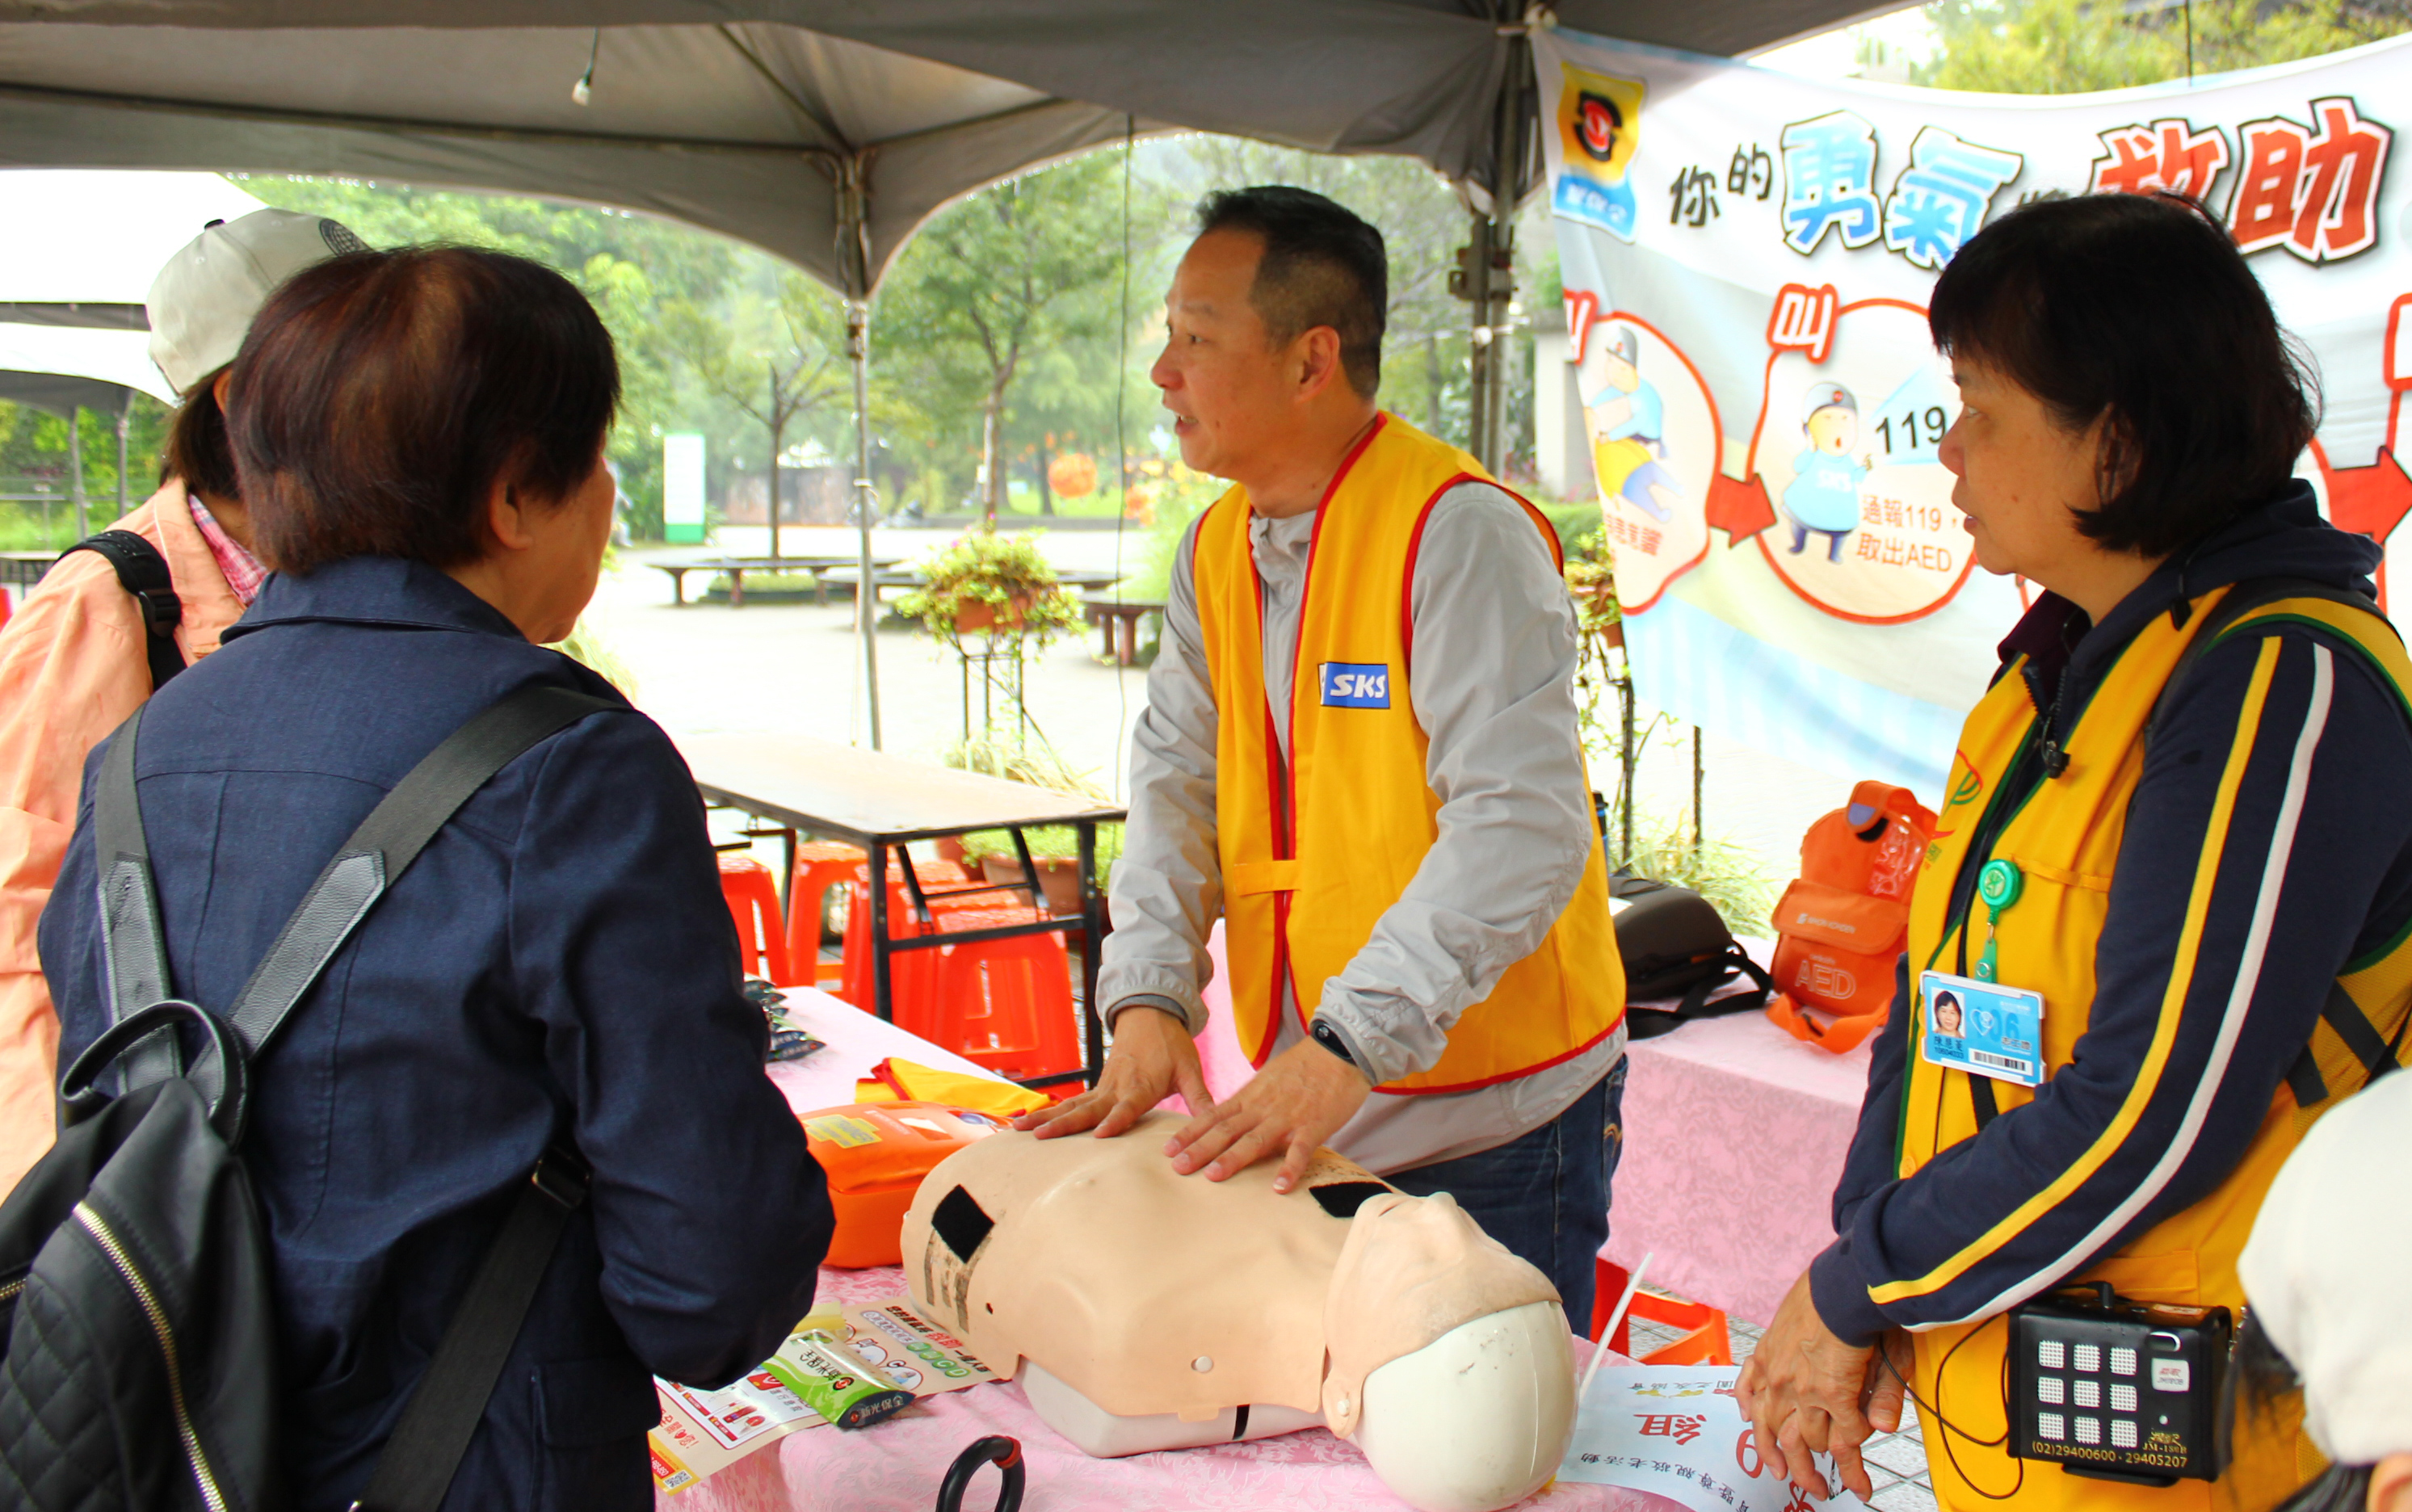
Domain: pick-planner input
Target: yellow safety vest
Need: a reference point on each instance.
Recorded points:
(2064, 839)
(1315, 848)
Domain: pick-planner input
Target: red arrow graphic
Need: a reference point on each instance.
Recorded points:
(1742, 509)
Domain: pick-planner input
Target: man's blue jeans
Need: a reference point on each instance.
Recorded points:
(1545, 1195)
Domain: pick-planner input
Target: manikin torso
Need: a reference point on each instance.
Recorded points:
(1148, 1310)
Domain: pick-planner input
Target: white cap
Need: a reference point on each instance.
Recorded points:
(202, 302)
(2325, 1273)
(1827, 396)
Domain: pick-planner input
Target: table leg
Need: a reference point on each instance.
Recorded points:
(1129, 627)
(883, 999)
(736, 587)
(1105, 625)
(678, 587)
(1093, 1040)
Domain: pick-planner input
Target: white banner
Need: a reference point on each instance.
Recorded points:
(1746, 257)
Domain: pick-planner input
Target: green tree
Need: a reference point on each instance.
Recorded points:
(777, 355)
(2065, 47)
(1005, 274)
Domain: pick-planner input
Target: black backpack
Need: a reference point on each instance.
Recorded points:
(1674, 944)
(142, 572)
(140, 1370)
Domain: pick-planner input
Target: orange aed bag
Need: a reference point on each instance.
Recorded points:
(1842, 924)
(874, 1156)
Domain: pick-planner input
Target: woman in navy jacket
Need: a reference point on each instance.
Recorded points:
(419, 433)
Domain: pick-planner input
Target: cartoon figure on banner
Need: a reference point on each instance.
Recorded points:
(1628, 423)
(2373, 500)
(1863, 480)
(1599, 129)
(1655, 438)
(1824, 495)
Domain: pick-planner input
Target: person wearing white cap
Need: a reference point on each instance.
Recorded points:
(2325, 1274)
(1824, 493)
(78, 657)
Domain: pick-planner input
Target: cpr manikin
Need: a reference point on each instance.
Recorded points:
(1140, 1310)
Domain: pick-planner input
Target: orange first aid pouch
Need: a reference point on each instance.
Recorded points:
(874, 1156)
(1842, 924)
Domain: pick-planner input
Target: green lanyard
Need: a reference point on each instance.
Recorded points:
(1999, 886)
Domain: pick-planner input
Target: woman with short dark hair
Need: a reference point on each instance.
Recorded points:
(419, 437)
(2171, 885)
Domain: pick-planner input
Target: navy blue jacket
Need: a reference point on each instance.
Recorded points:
(557, 965)
(2343, 889)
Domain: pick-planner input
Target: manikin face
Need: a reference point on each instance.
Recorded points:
(2023, 477)
(1229, 388)
(1834, 430)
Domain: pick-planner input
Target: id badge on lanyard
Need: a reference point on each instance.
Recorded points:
(1974, 1023)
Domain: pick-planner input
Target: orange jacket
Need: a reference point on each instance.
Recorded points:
(72, 666)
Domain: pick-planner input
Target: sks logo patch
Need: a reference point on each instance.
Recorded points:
(1356, 684)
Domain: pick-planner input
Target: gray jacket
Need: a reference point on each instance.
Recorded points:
(1493, 691)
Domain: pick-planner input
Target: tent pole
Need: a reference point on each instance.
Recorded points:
(852, 173)
(124, 417)
(1488, 271)
(75, 470)
(866, 595)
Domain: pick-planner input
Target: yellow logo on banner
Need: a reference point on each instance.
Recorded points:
(1599, 128)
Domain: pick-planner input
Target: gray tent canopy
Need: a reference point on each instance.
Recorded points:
(824, 131)
(757, 118)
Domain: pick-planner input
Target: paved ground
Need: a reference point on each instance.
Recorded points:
(776, 669)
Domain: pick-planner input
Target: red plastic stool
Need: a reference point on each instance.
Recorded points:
(1707, 1341)
(821, 865)
(1005, 1003)
(854, 973)
(753, 900)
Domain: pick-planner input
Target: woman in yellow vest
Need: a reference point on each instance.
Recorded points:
(2170, 890)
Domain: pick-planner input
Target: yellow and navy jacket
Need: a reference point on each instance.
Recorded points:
(2193, 903)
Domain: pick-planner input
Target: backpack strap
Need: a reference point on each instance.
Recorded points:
(415, 1469)
(2342, 1014)
(133, 951)
(388, 841)
(142, 572)
(369, 862)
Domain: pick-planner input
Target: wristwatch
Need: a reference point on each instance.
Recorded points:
(1328, 1038)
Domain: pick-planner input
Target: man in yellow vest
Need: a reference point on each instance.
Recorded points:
(1359, 750)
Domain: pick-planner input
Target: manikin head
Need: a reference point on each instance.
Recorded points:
(1145, 1308)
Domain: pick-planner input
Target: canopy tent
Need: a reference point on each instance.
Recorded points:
(83, 249)
(822, 130)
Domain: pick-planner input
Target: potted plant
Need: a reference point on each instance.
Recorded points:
(986, 583)
(1591, 578)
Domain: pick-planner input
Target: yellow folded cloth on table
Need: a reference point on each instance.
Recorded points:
(895, 1079)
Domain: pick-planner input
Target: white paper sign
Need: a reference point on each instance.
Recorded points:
(1674, 1431)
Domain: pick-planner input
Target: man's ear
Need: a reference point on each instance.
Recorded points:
(2391, 1484)
(1319, 359)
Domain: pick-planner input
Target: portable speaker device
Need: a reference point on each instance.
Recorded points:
(2119, 1390)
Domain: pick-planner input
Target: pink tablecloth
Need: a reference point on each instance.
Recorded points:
(1734, 1136)
(896, 1466)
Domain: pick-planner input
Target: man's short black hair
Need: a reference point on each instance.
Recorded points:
(1322, 265)
(2140, 308)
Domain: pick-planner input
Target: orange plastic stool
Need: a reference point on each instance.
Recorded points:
(854, 973)
(821, 865)
(1006, 1005)
(753, 901)
(1707, 1341)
